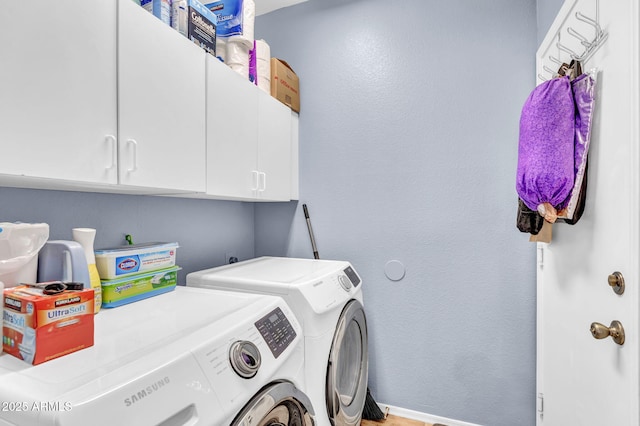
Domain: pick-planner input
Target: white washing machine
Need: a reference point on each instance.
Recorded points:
(326, 297)
(188, 357)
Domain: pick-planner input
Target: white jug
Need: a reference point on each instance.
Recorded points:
(19, 247)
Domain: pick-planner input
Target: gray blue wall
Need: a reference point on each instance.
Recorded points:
(204, 229)
(408, 151)
(546, 13)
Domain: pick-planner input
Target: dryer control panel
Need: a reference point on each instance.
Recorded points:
(353, 277)
(276, 330)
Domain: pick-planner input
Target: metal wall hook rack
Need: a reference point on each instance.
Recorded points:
(549, 70)
(555, 60)
(590, 45)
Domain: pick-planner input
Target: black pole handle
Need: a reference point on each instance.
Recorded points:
(313, 240)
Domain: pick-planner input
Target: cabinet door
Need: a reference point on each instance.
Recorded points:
(58, 90)
(161, 104)
(232, 133)
(274, 149)
(295, 156)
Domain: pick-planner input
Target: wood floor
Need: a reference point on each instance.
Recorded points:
(394, 421)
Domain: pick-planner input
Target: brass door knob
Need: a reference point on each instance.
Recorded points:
(616, 281)
(615, 330)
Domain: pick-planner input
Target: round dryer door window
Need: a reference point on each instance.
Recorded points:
(347, 370)
(278, 404)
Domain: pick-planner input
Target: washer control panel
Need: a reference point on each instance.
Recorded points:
(353, 277)
(276, 330)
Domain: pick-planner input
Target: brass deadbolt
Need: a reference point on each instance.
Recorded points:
(615, 330)
(616, 281)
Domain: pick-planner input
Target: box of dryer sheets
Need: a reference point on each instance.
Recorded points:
(192, 19)
(137, 287)
(39, 327)
(285, 85)
(121, 261)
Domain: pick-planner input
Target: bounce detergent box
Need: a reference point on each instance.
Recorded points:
(38, 327)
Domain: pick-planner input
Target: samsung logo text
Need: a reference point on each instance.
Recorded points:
(147, 391)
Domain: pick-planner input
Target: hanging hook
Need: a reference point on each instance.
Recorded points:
(590, 46)
(594, 24)
(556, 60)
(565, 49)
(583, 40)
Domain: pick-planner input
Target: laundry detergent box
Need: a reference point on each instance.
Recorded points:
(137, 287)
(39, 327)
(121, 261)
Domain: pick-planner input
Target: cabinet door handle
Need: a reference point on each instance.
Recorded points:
(255, 180)
(114, 151)
(263, 187)
(134, 156)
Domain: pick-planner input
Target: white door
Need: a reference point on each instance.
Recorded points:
(161, 104)
(581, 380)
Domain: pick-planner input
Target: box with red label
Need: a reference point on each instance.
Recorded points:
(38, 327)
(285, 84)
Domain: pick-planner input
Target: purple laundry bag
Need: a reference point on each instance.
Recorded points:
(546, 146)
(583, 95)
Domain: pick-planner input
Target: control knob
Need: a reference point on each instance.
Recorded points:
(345, 282)
(245, 358)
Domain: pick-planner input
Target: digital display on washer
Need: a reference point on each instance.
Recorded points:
(355, 280)
(276, 330)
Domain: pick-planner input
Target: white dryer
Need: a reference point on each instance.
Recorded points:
(189, 357)
(326, 297)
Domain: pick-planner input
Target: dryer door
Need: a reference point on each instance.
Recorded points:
(277, 404)
(347, 371)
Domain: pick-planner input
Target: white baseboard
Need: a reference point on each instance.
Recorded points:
(423, 417)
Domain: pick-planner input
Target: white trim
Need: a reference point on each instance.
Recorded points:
(423, 417)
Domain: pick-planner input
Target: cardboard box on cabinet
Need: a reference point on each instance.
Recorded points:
(285, 85)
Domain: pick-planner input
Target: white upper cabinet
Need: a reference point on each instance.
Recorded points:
(248, 139)
(103, 96)
(295, 162)
(58, 91)
(232, 133)
(274, 149)
(161, 104)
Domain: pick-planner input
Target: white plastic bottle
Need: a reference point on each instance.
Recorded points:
(179, 16)
(86, 237)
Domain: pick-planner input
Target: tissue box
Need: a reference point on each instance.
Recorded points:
(285, 85)
(229, 15)
(137, 287)
(39, 327)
